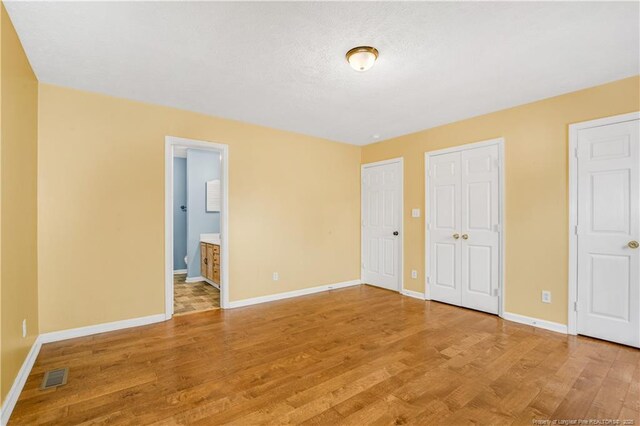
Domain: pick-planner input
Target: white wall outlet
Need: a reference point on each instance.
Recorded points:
(276, 277)
(414, 274)
(24, 328)
(415, 212)
(546, 296)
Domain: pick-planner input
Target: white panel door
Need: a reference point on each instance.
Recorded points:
(444, 228)
(608, 231)
(480, 239)
(381, 216)
(464, 227)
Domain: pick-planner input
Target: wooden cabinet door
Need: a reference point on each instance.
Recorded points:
(209, 262)
(203, 259)
(216, 264)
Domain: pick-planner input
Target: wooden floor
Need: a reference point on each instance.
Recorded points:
(193, 297)
(356, 356)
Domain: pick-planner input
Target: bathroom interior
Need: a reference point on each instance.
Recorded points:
(196, 230)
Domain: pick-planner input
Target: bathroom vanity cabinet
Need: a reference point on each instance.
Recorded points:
(210, 262)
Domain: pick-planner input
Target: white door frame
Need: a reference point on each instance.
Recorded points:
(400, 254)
(427, 214)
(223, 149)
(572, 317)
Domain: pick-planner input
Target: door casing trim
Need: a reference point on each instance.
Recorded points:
(223, 149)
(399, 160)
(501, 208)
(572, 313)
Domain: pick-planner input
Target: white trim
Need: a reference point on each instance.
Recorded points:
(202, 279)
(501, 200)
(411, 293)
(572, 317)
(401, 249)
(72, 333)
(21, 378)
(536, 322)
(179, 271)
(170, 143)
(463, 147)
(290, 294)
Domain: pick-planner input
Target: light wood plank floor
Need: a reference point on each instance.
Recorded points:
(357, 356)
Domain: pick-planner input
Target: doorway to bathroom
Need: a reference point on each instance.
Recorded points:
(196, 237)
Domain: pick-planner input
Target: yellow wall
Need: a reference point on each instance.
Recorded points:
(294, 207)
(18, 201)
(536, 175)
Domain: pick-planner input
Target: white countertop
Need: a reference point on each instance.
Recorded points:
(210, 238)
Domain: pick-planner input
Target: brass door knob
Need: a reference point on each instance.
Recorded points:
(465, 237)
(456, 236)
(633, 244)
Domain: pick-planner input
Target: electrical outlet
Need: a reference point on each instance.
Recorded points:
(276, 277)
(414, 274)
(415, 212)
(546, 296)
(24, 328)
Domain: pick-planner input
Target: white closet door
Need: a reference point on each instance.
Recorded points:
(464, 227)
(480, 240)
(381, 216)
(608, 232)
(444, 228)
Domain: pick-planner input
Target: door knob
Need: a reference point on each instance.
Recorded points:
(395, 232)
(633, 244)
(456, 236)
(465, 237)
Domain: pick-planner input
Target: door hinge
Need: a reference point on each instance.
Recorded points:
(428, 225)
(497, 228)
(575, 306)
(575, 152)
(576, 229)
(428, 280)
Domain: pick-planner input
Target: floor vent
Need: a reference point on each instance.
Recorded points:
(54, 378)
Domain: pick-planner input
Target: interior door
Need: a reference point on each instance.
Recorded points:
(464, 227)
(444, 228)
(608, 232)
(381, 216)
(480, 239)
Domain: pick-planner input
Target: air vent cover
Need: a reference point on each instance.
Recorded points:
(54, 378)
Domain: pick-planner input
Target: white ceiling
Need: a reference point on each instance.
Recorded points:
(282, 64)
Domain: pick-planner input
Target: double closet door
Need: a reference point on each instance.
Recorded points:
(464, 226)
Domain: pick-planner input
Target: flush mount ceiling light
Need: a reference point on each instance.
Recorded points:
(362, 58)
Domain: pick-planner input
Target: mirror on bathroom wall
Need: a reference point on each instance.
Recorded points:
(213, 196)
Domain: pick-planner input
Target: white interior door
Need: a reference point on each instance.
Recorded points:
(464, 225)
(480, 243)
(444, 228)
(608, 231)
(381, 223)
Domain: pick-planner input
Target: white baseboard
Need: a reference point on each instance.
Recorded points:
(179, 271)
(536, 322)
(201, 279)
(211, 283)
(414, 294)
(290, 294)
(56, 336)
(12, 397)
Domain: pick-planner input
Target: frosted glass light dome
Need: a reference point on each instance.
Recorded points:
(362, 58)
